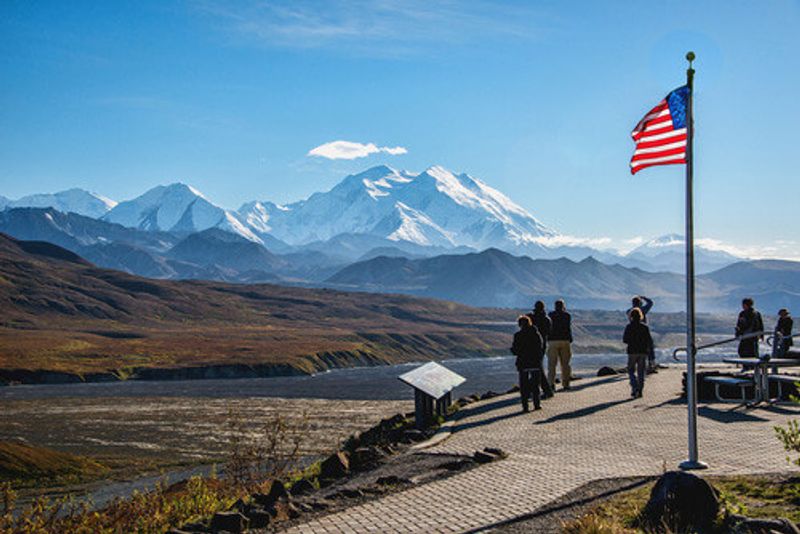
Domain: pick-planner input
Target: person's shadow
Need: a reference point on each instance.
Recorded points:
(582, 412)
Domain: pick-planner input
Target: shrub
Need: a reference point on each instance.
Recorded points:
(790, 435)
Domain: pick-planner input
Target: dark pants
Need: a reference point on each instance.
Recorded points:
(636, 366)
(547, 389)
(529, 386)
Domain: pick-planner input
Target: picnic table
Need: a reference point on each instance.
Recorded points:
(760, 372)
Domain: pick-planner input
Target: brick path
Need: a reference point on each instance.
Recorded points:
(594, 431)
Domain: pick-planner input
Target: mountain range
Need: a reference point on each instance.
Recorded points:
(397, 212)
(434, 233)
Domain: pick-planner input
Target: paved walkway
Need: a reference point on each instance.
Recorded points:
(594, 431)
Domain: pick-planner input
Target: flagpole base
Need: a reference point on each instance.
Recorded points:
(689, 465)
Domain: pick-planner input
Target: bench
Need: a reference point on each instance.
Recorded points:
(782, 379)
(743, 383)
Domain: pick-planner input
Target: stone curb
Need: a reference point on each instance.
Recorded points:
(444, 432)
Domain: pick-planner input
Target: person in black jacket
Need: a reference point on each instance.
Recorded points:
(527, 347)
(542, 323)
(637, 337)
(559, 350)
(749, 322)
(784, 328)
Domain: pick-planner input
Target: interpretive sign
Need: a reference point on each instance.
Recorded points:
(432, 385)
(433, 379)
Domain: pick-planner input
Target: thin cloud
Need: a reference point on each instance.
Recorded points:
(352, 150)
(561, 240)
(374, 27)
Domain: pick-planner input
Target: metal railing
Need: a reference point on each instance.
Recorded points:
(770, 337)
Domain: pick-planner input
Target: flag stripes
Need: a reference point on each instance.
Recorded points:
(661, 136)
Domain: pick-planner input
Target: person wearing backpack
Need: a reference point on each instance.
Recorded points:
(749, 322)
(637, 338)
(542, 323)
(527, 347)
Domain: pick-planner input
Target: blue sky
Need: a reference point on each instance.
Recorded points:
(536, 98)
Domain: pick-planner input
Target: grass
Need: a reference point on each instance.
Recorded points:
(25, 465)
(155, 511)
(753, 496)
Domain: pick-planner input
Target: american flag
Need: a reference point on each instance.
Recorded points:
(660, 136)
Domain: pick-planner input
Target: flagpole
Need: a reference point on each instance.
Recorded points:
(691, 378)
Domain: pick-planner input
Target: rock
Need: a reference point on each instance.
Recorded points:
(336, 465)
(513, 389)
(456, 465)
(499, 453)
(283, 511)
(413, 435)
(474, 398)
(681, 501)
(606, 371)
(737, 524)
(365, 458)
(483, 457)
(229, 522)
(463, 401)
(302, 487)
(349, 493)
(259, 518)
(489, 395)
(320, 504)
(276, 492)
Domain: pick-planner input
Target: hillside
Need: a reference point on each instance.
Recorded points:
(496, 278)
(61, 313)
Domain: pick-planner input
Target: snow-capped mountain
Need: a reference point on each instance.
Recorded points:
(70, 201)
(177, 208)
(667, 253)
(432, 208)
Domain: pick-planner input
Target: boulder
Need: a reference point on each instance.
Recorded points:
(229, 522)
(259, 518)
(513, 389)
(283, 511)
(277, 491)
(336, 465)
(302, 487)
(681, 501)
(606, 371)
(489, 395)
(365, 458)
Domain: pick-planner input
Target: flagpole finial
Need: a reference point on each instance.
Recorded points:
(690, 57)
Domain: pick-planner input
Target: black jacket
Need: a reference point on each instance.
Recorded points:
(749, 321)
(784, 326)
(637, 337)
(542, 323)
(527, 347)
(562, 326)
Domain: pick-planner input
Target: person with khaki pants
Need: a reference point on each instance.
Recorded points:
(559, 346)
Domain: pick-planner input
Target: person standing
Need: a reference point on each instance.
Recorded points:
(784, 328)
(644, 304)
(637, 338)
(527, 347)
(542, 323)
(749, 322)
(559, 350)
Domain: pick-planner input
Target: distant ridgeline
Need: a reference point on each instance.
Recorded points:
(434, 234)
